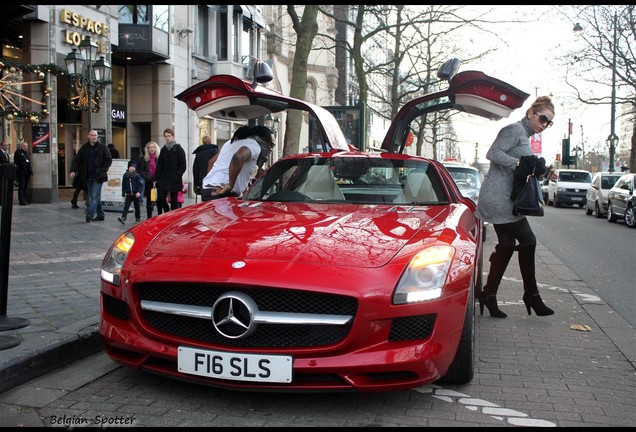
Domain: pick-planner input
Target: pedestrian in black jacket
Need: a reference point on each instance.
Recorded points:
(202, 156)
(4, 159)
(132, 189)
(23, 170)
(91, 166)
(169, 174)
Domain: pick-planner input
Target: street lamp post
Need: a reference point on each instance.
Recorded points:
(88, 77)
(612, 139)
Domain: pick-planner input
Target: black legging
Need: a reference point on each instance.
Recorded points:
(507, 237)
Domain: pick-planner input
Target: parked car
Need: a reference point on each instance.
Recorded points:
(336, 270)
(569, 187)
(621, 200)
(596, 197)
(544, 189)
(468, 180)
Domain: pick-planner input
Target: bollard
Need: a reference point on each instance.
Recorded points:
(7, 176)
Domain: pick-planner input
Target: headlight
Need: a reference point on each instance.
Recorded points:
(425, 276)
(116, 257)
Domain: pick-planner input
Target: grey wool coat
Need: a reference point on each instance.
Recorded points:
(512, 142)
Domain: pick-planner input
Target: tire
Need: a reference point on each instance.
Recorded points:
(597, 211)
(630, 216)
(588, 211)
(611, 217)
(479, 284)
(462, 368)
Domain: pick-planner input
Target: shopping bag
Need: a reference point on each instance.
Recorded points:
(153, 194)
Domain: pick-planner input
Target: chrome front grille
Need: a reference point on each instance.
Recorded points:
(267, 299)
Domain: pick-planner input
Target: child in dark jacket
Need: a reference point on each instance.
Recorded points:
(132, 189)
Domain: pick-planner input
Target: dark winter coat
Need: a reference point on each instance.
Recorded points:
(131, 183)
(171, 166)
(203, 154)
(22, 163)
(80, 164)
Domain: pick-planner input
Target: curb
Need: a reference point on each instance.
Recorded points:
(46, 352)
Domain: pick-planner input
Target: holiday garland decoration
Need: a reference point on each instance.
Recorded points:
(13, 85)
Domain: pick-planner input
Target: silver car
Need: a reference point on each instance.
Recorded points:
(466, 177)
(468, 180)
(596, 197)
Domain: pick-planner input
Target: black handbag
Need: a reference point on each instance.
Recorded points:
(529, 200)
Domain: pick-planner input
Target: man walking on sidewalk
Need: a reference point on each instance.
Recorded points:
(91, 165)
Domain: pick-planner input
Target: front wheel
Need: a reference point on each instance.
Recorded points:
(588, 210)
(597, 211)
(611, 217)
(630, 217)
(462, 369)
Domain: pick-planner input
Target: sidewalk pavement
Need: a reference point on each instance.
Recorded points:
(54, 284)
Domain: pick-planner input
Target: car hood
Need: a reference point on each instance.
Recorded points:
(319, 234)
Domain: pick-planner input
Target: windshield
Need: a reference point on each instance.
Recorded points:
(575, 177)
(350, 179)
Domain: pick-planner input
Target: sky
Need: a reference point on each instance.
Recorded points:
(530, 62)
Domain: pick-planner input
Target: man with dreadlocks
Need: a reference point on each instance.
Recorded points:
(234, 164)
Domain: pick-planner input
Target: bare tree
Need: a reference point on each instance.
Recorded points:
(306, 29)
(594, 62)
(415, 41)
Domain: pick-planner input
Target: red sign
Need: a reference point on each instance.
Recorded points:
(535, 143)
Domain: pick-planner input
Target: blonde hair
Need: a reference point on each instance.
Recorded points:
(540, 104)
(147, 153)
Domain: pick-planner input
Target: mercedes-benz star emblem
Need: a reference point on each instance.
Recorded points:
(233, 315)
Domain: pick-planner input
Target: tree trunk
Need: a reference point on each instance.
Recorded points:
(306, 30)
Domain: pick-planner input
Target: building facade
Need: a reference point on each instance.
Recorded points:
(155, 52)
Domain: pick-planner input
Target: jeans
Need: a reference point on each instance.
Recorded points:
(94, 199)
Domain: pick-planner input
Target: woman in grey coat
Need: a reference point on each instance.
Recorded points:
(495, 206)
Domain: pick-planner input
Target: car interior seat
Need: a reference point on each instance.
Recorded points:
(321, 184)
(417, 189)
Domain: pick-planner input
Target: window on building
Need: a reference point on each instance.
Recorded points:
(203, 34)
(133, 14)
(118, 77)
(238, 36)
(161, 17)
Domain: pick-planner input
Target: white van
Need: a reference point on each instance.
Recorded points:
(569, 187)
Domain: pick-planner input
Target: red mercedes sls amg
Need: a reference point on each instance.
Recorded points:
(336, 270)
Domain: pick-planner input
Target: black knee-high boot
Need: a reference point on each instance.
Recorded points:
(149, 211)
(499, 260)
(531, 296)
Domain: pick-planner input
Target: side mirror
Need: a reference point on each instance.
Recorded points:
(262, 73)
(448, 70)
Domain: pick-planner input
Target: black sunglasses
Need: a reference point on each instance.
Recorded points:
(544, 120)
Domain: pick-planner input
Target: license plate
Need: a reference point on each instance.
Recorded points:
(577, 199)
(235, 366)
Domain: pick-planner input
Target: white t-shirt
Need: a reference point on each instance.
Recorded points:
(220, 172)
